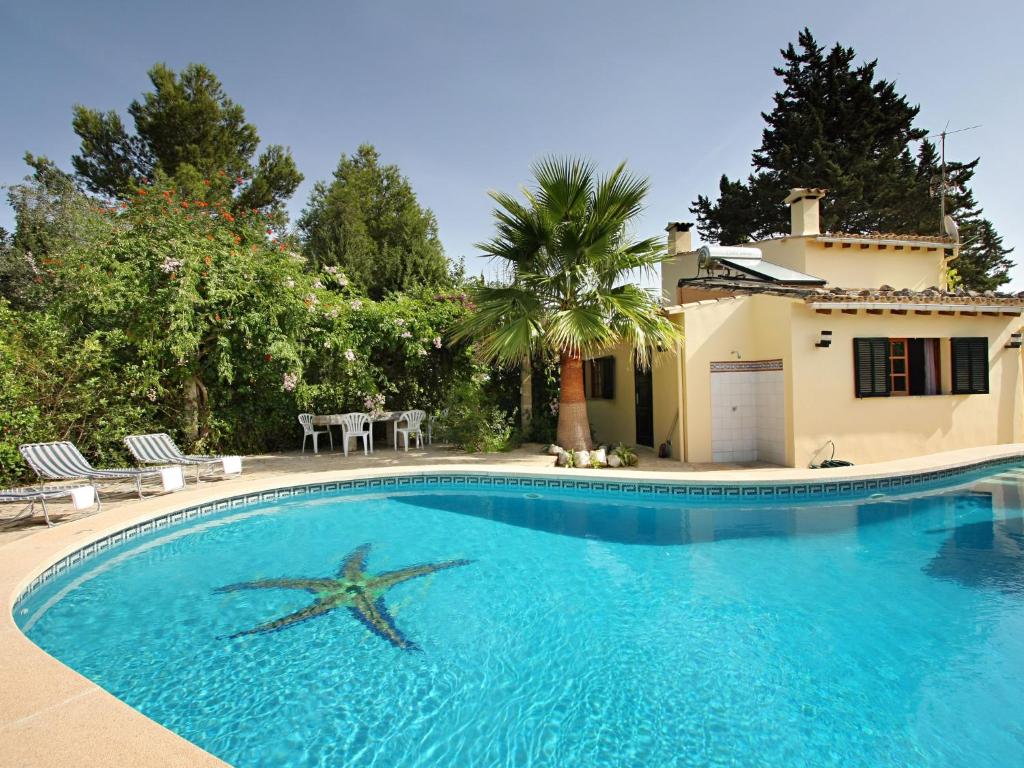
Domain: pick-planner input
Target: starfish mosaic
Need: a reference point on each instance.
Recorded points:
(353, 588)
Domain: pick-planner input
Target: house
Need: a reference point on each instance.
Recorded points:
(813, 337)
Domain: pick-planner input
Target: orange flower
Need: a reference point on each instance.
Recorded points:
(184, 204)
(238, 239)
(141, 191)
(229, 217)
(209, 259)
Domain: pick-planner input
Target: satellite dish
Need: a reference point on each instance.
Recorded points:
(950, 228)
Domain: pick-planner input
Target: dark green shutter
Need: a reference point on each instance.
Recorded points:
(969, 361)
(607, 377)
(871, 367)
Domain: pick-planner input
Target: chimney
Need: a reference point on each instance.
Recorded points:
(803, 210)
(682, 261)
(680, 240)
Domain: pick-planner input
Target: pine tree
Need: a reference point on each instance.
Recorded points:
(368, 222)
(188, 129)
(835, 125)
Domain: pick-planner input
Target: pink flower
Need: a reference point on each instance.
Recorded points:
(437, 342)
(356, 305)
(350, 355)
(290, 380)
(406, 335)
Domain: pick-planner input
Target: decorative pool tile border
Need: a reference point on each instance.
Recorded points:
(745, 366)
(787, 490)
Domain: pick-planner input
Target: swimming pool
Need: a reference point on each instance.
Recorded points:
(569, 627)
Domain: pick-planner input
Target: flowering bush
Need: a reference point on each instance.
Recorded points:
(181, 316)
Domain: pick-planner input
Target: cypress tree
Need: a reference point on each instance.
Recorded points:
(368, 222)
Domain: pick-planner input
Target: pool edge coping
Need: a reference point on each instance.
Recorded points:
(28, 558)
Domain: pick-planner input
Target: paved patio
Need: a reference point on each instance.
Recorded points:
(274, 465)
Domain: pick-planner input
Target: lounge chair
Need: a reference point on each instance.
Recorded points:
(83, 496)
(160, 449)
(62, 461)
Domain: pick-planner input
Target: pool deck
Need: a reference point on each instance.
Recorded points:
(52, 716)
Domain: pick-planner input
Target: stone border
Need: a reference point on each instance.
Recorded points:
(50, 715)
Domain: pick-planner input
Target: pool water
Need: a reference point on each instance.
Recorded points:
(586, 630)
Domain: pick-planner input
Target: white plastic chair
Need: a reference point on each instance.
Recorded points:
(308, 430)
(413, 420)
(356, 425)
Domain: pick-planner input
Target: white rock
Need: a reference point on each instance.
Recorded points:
(554, 450)
(614, 461)
(582, 458)
(601, 455)
(561, 458)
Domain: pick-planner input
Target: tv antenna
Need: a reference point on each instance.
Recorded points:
(946, 224)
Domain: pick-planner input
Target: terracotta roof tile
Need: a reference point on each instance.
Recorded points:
(883, 294)
(888, 236)
(906, 296)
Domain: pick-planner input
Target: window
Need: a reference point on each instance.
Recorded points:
(599, 378)
(898, 367)
(969, 357)
(886, 367)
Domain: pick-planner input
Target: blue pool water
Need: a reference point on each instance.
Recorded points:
(586, 631)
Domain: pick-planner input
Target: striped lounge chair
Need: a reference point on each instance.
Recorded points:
(40, 495)
(62, 461)
(160, 449)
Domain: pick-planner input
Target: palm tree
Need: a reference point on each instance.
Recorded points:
(569, 258)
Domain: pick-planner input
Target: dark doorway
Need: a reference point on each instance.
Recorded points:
(644, 407)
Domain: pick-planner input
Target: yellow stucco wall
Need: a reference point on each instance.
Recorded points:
(665, 377)
(614, 421)
(871, 267)
(820, 403)
(856, 266)
(881, 428)
(745, 328)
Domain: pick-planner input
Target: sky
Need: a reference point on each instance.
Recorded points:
(463, 95)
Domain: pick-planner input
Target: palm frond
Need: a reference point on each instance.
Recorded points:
(569, 252)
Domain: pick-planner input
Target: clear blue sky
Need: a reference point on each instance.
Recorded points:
(463, 95)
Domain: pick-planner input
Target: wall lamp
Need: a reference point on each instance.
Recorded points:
(1015, 340)
(824, 340)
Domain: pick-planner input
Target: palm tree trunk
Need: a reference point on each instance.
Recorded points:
(573, 424)
(526, 394)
